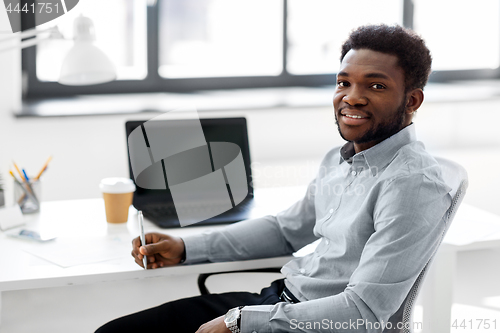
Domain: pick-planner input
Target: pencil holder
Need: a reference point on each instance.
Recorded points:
(27, 196)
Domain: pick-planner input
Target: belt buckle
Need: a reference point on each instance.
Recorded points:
(286, 297)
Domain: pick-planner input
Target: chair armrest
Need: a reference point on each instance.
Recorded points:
(202, 278)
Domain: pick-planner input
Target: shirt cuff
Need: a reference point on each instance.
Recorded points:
(196, 248)
(255, 318)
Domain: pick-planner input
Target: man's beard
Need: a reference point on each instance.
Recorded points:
(381, 131)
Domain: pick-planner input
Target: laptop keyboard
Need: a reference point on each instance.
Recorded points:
(160, 210)
(164, 210)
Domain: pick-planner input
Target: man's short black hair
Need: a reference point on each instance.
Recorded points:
(413, 56)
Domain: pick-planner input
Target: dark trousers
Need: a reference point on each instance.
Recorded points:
(188, 314)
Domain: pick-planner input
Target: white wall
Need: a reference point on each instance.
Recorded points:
(86, 149)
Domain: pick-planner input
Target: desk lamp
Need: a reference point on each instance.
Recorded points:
(84, 64)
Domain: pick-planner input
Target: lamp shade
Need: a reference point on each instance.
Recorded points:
(85, 64)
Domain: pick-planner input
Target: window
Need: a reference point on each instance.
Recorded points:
(189, 45)
(315, 36)
(471, 39)
(124, 41)
(220, 38)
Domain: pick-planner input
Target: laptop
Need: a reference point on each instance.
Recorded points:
(158, 205)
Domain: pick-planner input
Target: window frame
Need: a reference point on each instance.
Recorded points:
(33, 89)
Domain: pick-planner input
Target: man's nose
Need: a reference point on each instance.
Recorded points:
(355, 96)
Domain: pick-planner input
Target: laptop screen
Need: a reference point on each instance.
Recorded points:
(232, 130)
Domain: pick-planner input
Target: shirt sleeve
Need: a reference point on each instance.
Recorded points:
(269, 236)
(336, 313)
(409, 223)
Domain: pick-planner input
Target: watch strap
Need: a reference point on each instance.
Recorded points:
(235, 325)
(234, 328)
(183, 257)
(238, 322)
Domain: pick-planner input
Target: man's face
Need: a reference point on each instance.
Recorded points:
(370, 100)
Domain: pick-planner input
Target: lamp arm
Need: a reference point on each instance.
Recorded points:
(6, 43)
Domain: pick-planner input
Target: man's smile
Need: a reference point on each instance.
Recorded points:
(353, 117)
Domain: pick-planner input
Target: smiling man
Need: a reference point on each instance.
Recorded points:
(377, 205)
(370, 101)
(379, 87)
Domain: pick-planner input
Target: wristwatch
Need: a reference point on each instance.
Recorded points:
(231, 319)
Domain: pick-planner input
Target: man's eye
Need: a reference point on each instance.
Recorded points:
(378, 86)
(343, 84)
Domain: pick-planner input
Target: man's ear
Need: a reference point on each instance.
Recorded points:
(413, 100)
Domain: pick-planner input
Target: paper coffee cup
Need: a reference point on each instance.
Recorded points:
(118, 194)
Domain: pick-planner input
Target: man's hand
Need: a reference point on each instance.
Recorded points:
(161, 250)
(214, 326)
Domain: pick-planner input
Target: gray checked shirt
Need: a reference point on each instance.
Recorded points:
(380, 217)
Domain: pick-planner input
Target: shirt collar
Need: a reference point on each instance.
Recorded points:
(378, 156)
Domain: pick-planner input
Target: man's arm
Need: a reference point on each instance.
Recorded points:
(409, 225)
(269, 236)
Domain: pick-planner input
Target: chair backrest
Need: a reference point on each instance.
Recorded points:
(455, 176)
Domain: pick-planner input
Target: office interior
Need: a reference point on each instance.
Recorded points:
(290, 128)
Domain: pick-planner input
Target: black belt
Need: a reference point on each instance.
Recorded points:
(287, 296)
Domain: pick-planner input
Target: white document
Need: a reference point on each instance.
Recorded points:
(67, 252)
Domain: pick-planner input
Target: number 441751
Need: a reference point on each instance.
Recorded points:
(475, 324)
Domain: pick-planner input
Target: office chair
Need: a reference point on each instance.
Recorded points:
(455, 176)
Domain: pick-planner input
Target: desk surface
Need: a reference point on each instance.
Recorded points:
(82, 222)
(78, 223)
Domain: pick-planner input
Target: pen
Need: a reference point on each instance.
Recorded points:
(29, 186)
(21, 186)
(143, 238)
(26, 176)
(43, 168)
(18, 171)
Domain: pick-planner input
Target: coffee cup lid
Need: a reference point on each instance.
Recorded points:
(117, 185)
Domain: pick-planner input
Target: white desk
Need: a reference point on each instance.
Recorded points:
(83, 220)
(472, 229)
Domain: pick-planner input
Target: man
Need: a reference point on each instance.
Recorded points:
(377, 205)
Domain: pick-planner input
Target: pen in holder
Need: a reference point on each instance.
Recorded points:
(27, 195)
